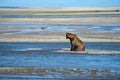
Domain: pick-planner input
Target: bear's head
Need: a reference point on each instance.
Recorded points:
(70, 36)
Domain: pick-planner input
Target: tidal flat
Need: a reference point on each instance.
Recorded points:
(33, 44)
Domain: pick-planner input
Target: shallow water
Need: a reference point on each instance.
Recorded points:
(41, 55)
(37, 28)
(107, 28)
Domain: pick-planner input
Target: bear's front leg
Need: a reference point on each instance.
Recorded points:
(72, 49)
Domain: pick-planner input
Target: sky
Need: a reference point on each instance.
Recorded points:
(47, 3)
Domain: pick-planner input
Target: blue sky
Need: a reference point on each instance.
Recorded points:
(39, 3)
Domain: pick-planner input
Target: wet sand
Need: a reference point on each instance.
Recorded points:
(74, 73)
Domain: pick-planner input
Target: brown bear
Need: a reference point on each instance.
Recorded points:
(76, 43)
